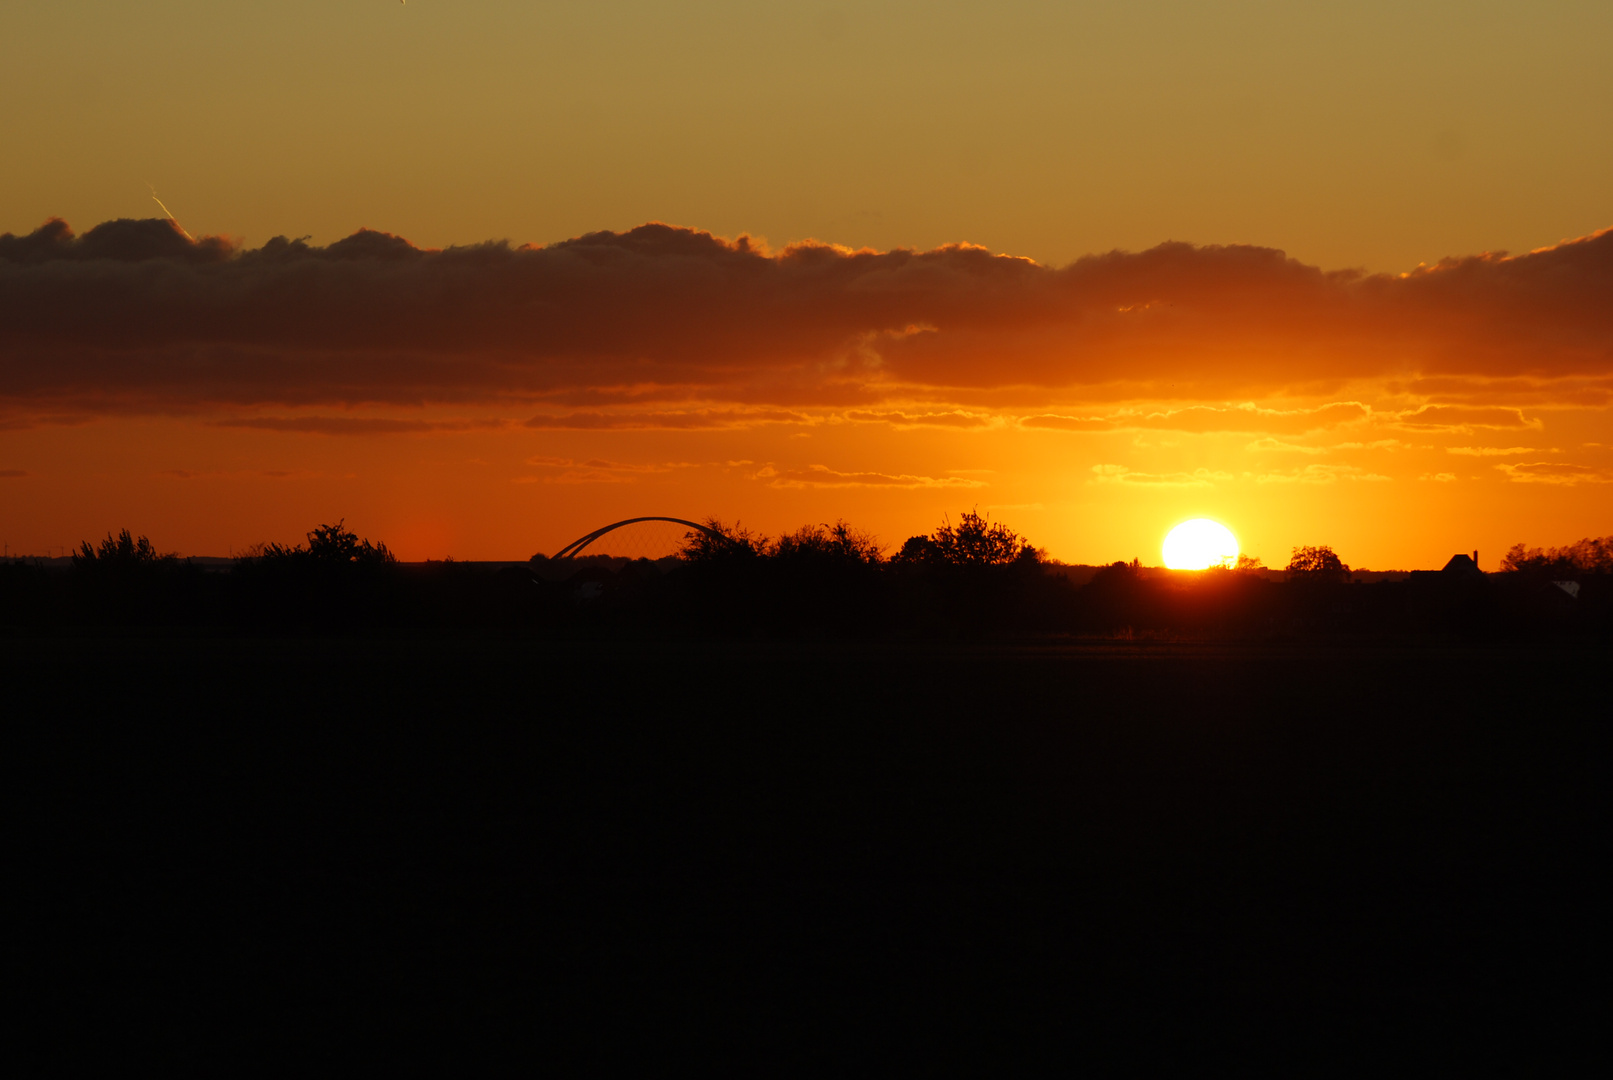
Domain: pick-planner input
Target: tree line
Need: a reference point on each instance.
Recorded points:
(970, 578)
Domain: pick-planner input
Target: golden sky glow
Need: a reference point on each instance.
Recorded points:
(1376, 133)
(866, 360)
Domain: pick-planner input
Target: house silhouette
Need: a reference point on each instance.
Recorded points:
(1461, 567)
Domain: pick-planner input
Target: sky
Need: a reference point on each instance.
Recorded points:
(1093, 268)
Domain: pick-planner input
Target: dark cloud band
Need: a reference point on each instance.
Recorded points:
(134, 316)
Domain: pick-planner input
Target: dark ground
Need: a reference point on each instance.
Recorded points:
(450, 852)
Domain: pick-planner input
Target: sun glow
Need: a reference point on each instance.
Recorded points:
(1200, 544)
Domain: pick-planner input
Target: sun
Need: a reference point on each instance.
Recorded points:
(1200, 544)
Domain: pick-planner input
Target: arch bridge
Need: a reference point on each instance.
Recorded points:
(574, 548)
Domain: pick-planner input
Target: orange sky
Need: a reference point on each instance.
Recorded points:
(490, 401)
(1231, 266)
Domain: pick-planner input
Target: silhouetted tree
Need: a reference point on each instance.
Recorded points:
(1317, 563)
(331, 545)
(917, 550)
(974, 541)
(971, 578)
(1588, 556)
(839, 542)
(719, 542)
(334, 581)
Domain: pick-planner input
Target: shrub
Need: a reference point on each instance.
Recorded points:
(839, 543)
(1317, 563)
(119, 551)
(718, 542)
(330, 545)
(1588, 556)
(974, 541)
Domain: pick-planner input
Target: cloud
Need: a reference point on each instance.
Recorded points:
(1120, 474)
(954, 418)
(543, 461)
(1439, 478)
(1490, 451)
(820, 476)
(1461, 418)
(352, 425)
(1376, 444)
(1205, 419)
(694, 419)
(578, 476)
(1278, 446)
(1591, 391)
(1322, 474)
(123, 241)
(135, 317)
(594, 470)
(1546, 472)
(12, 474)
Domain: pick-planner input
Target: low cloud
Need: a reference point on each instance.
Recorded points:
(1490, 451)
(1120, 474)
(1579, 391)
(133, 317)
(558, 470)
(577, 476)
(1278, 446)
(691, 420)
(954, 418)
(1322, 474)
(820, 476)
(1461, 419)
(1549, 472)
(1376, 444)
(1207, 419)
(354, 425)
(600, 463)
(12, 474)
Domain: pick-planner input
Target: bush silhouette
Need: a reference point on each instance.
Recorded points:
(837, 543)
(974, 541)
(1317, 564)
(334, 581)
(122, 550)
(1588, 556)
(720, 543)
(124, 580)
(330, 545)
(966, 579)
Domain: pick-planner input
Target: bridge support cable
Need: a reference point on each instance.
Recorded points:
(572, 549)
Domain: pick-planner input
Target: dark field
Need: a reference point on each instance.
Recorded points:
(450, 853)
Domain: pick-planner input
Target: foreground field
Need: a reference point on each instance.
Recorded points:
(446, 851)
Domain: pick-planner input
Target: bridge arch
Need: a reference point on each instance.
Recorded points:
(572, 549)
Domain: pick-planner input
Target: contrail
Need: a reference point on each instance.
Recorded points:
(170, 213)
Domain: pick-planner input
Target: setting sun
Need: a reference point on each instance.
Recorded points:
(1200, 544)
